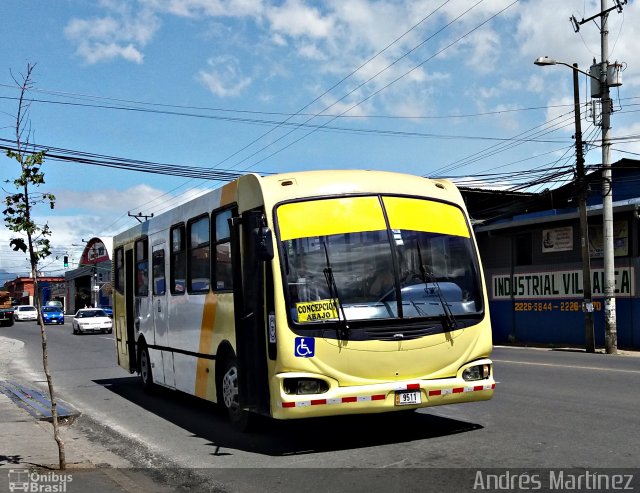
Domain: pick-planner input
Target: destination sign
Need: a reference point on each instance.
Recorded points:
(316, 311)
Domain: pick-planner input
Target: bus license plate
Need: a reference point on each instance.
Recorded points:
(408, 398)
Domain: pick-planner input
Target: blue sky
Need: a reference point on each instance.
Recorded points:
(427, 87)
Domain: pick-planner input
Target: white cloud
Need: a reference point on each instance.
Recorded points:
(631, 147)
(486, 92)
(335, 35)
(484, 51)
(71, 223)
(208, 8)
(345, 106)
(278, 39)
(94, 28)
(101, 202)
(98, 52)
(311, 51)
(508, 119)
(560, 111)
(535, 83)
(122, 34)
(539, 33)
(224, 77)
(294, 18)
(412, 105)
(66, 232)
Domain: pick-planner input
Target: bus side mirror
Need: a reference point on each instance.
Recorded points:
(264, 243)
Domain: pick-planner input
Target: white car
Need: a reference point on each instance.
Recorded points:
(25, 312)
(91, 320)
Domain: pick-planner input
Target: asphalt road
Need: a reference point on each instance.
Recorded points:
(551, 409)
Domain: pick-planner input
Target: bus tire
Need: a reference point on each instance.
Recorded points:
(146, 374)
(241, 420)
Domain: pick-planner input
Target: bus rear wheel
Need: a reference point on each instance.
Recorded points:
(240, 419)
(145, 369)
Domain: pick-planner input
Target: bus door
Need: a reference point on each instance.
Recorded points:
(126, 334)
(160, 314)
(249, 287)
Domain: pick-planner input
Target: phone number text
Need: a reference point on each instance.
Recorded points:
(563, 306)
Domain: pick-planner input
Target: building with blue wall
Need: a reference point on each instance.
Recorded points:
(530, 246)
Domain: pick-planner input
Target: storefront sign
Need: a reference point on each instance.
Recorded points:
(620, 240)
(557, 240)
(557, 284)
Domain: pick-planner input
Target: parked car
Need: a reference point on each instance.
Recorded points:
(52, 315)
(108, 310)
(91, 320)
(6, 309)
(6, 317)
(25, 312)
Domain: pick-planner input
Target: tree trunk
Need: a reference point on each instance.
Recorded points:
(45, 364)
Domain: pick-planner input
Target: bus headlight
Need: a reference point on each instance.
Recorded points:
(302, 386)
(478, 372)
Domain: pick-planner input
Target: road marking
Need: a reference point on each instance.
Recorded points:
(564, 366)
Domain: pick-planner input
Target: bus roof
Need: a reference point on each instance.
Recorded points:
(337, 182)
(253, 190)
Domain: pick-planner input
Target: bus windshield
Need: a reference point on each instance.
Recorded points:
(377, 257)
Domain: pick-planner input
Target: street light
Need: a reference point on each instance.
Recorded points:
(587, 303)
(544, 61)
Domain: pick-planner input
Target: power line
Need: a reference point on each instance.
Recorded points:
(317, 98)
(80, 157)
(291, 115)
(269, 113)
(498, 148)
(387, 85)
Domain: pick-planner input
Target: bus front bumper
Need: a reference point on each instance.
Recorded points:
(384, 397)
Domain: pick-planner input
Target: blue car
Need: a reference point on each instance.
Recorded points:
(52, 315)
(108, 310)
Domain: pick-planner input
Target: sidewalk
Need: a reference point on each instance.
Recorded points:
(564, 347)
(29, 453)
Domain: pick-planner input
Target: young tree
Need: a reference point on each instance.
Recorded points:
(18, 217)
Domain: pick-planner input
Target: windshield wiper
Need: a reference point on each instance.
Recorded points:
(449, 321)
(343, 329)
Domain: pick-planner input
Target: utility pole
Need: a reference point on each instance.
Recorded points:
(95, 288)
(587, 304)
(611, 334)
(582, 192)
(140, 215)
(610, 331)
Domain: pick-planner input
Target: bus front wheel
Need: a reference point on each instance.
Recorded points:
(240, 419)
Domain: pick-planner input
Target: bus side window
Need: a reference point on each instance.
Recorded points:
(198, 255)
(142, 267)
(158, 272)
(178, 261)
(222, 273)
(119, 277)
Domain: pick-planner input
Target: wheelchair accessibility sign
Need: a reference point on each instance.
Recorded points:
(305, 347)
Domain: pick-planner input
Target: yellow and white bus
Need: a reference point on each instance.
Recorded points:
(308, 294)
